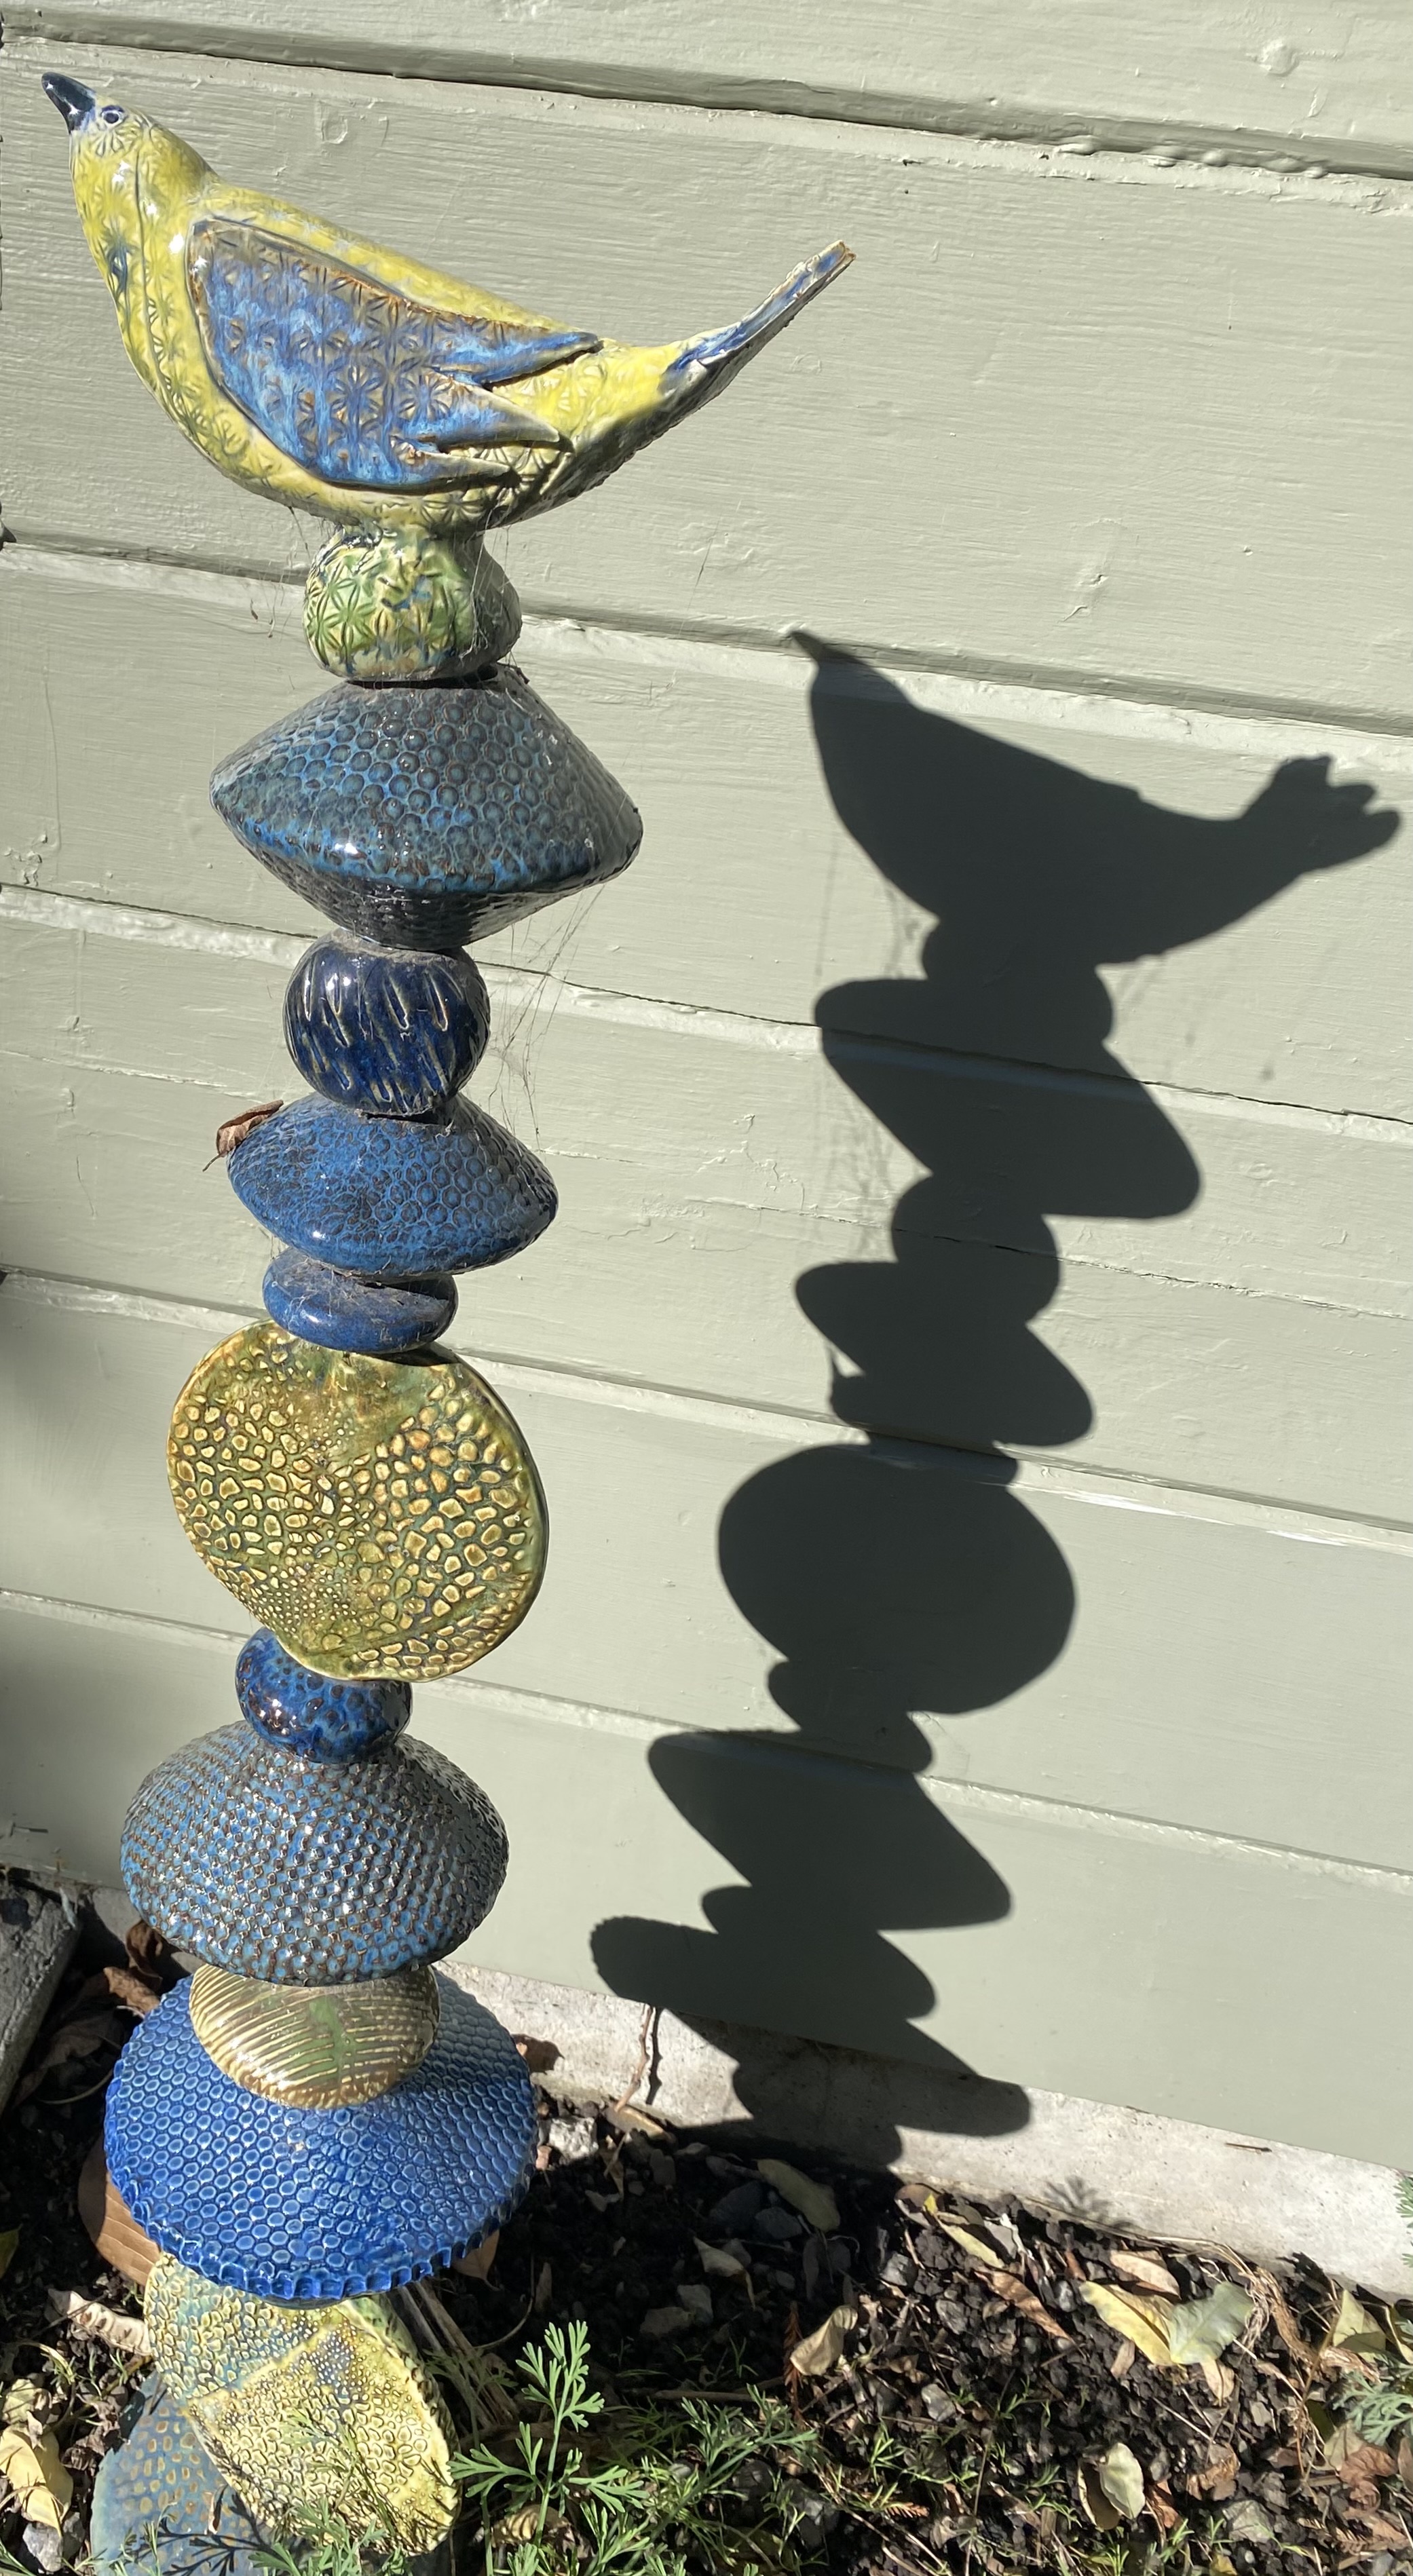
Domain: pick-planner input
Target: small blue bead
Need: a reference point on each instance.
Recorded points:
(345, 1313)
(392, 1198)
(310, 1714)
(395, 1031)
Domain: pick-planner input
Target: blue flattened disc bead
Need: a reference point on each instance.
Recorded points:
(396, 1031)
(345, 1313)
(311, 1873)
(308, 1713)
(422, 818)
(329, 2204)
(393, 1198)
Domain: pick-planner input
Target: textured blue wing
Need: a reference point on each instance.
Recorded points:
(359, 384)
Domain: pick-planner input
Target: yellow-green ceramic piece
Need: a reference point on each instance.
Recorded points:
(317, 2416)
(315, 2046)
(387, 604)
(382, 1517)
(317, 368)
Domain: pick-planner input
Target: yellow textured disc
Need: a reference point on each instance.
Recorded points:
(316, 2415)
(315, 2045)
(382, 1516)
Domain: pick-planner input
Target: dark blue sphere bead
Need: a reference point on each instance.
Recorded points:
(393, 1030)
(422, 818)
(345, 1313)
(308, 1713)
(392, 1198)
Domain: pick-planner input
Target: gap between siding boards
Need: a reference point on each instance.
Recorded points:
(1164, 143)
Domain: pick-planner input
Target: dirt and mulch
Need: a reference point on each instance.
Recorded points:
(962, 2387)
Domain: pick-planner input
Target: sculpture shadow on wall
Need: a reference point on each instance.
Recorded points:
(904, 1577)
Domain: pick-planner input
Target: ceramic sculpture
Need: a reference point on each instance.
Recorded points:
(315, 2118)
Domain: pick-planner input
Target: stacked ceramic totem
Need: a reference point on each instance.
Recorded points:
(314, 2119)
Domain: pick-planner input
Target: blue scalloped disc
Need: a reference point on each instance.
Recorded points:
(426, 817)
(395, 1031)
(162, 2508)
(393, 1197)
(307, 1713)
(311, 1873)
(328, 2204)
(344, 1313)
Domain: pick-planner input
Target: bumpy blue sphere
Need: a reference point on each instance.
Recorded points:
(426, 817)
(345, 1313)
(393, 1198)
(311, 1873)
(331, 2204)
(392, 1030)
(309, 1714)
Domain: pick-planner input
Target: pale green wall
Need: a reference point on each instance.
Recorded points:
(1096, 1778)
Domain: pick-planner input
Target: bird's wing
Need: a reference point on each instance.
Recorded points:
(360, 384)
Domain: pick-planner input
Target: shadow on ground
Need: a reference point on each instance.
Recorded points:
(905, 1576)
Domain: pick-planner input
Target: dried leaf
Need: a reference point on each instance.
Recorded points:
(476, 2266)
(1353, 2331)
(1219, 2476)
(102, 2325)
(127, 1987)
(814, 2200)
(78, 2038)
(1007, 2286)
(9, 2242)
(1121, 2479)
(1405, 2463)
(715, 2259)
(1123, 2360)
(234, 1131)
(1399, 2333)
(972, 2245)
(1143, 2322)
(26, 2401)
(43, 2487)
(1246, 2521)
(1201, 2329)
(1104, 2514)
(823, 2350)
(1368, 2460)
(1219, 2379)
(1162, 2507)
(526, 2525)
(1146, 2270)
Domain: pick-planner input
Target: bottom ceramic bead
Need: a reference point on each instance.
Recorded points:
(161, 2507)
(319, 2417)
(295, 2204)
(345, 1313)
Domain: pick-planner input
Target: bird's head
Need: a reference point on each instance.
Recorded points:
(128, 172)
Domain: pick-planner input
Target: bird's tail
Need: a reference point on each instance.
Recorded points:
(716, 355)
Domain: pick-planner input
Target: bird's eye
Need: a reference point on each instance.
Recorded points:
(112, 116)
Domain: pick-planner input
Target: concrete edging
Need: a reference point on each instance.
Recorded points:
(1135, 2171)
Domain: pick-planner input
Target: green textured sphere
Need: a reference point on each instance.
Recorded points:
(396, 605)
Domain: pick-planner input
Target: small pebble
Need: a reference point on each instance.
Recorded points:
(695, 2297)
(573, 2140)
(661, 2323)
(737, 2208)
(778, 2226)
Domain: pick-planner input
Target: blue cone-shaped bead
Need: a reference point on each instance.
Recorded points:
(426, 817)
(162, 2508)
(311, 1873)
(393, 1197)
(326, 2204)
(392, 1030)
(307, 1713)
(345, 1313)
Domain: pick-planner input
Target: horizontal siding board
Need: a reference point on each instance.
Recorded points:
(751, 895)
(1231, 1346)
(1104, 1649)
(1104, 449)
(1198, 73)
(1075, 1955)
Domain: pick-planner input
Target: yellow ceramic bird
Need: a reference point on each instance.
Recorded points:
(326, 372)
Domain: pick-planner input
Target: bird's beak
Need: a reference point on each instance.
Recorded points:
(72, 100)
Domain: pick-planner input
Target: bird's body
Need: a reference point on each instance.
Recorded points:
(319, 369)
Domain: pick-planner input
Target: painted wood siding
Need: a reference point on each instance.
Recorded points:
(970, 1369)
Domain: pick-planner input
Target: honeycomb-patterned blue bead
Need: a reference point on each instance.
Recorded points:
(393, 1198)
(296, 2204)
(395, 1031)
(426, 817)
(306, 1713)
(345, 1313)
(311, 1873)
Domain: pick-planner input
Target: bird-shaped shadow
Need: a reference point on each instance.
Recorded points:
(317, 367)
(904, 1577)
